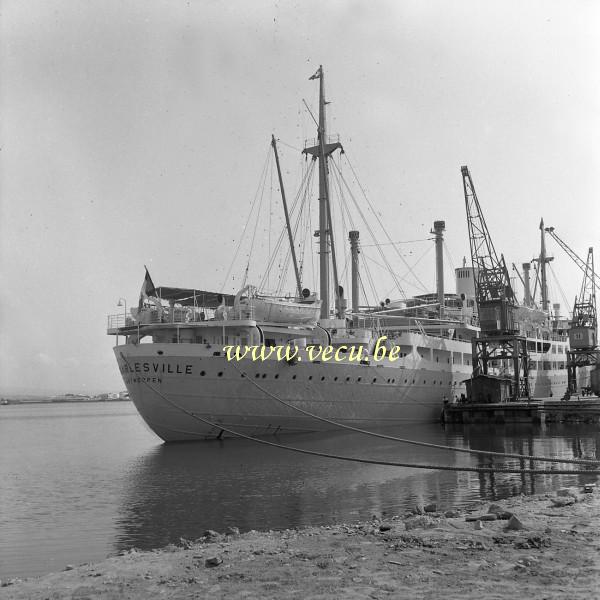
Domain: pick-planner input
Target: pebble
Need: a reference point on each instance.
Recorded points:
(489, 517)
(209, 533)
(430, 507)
(514, 524)
(384, 527)
(213, 561)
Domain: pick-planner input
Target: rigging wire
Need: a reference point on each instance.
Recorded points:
(449, 256)
(399, 242)
(381, 225)
(254, 232)
(372, 234)
(262, 176)
(560, 289)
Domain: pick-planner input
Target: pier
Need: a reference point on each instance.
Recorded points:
(544, 410)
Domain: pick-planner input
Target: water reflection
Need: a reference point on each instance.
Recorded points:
(81, 481)
(180, 490)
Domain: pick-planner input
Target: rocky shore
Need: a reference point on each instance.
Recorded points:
(529, 546)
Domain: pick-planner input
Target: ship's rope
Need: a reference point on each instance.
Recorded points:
(365, 460)
(414, 442)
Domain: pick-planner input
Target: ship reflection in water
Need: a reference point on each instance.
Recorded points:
(180, 490)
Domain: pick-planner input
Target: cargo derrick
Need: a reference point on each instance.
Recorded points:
(499, 340)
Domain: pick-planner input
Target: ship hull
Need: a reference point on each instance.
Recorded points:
(190, 392)
(186, 396)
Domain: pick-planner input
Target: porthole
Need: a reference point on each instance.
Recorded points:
(406, 381)
(202, 373)
(359, 379)
(293, 377)
(257, 376)
(310, 377)
(393, 381)
(160, 353)
(220, 374)
(374, 379)
(323, 378)
(264, 375)
(347, 378)
(335, 378)
(434, 382)
(276, 375)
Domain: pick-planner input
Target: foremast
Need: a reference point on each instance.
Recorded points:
(321, 151)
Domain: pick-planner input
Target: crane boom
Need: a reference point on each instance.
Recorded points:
(493, 291)
(576, 259)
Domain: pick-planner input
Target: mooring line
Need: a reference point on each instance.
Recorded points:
(577, 461)
(366, 460)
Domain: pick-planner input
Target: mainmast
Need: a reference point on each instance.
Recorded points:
(543, 261)
(326, 245)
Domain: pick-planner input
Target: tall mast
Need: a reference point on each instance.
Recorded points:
(321, 151)
(287, 219)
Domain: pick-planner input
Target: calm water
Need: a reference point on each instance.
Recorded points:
(82, 481)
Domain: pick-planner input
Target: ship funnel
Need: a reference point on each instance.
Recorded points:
(438, 230)
(354, 252)
(527, 284)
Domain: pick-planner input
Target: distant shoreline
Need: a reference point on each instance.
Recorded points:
(15, 401)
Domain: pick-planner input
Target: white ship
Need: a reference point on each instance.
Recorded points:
(174, 363)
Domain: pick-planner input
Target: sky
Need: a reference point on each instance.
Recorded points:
(135, 133)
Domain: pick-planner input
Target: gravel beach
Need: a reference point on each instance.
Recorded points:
(528, 546)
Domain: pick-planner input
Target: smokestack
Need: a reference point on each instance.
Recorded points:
(526, 267)
(354, 251)
(438, 230)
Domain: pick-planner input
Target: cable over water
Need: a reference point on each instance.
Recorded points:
(365, 460)
(577, 461)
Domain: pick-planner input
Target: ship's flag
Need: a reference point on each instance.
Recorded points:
(317, 75)
(148, 289)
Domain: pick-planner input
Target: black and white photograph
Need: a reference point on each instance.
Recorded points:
(299, 299)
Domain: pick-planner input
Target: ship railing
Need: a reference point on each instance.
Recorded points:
(119, 320)
(330, 139)
(179, 315)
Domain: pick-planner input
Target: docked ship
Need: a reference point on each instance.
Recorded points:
(304, 361)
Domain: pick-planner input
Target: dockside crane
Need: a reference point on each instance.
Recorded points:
(499, 340)
(583, 329)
